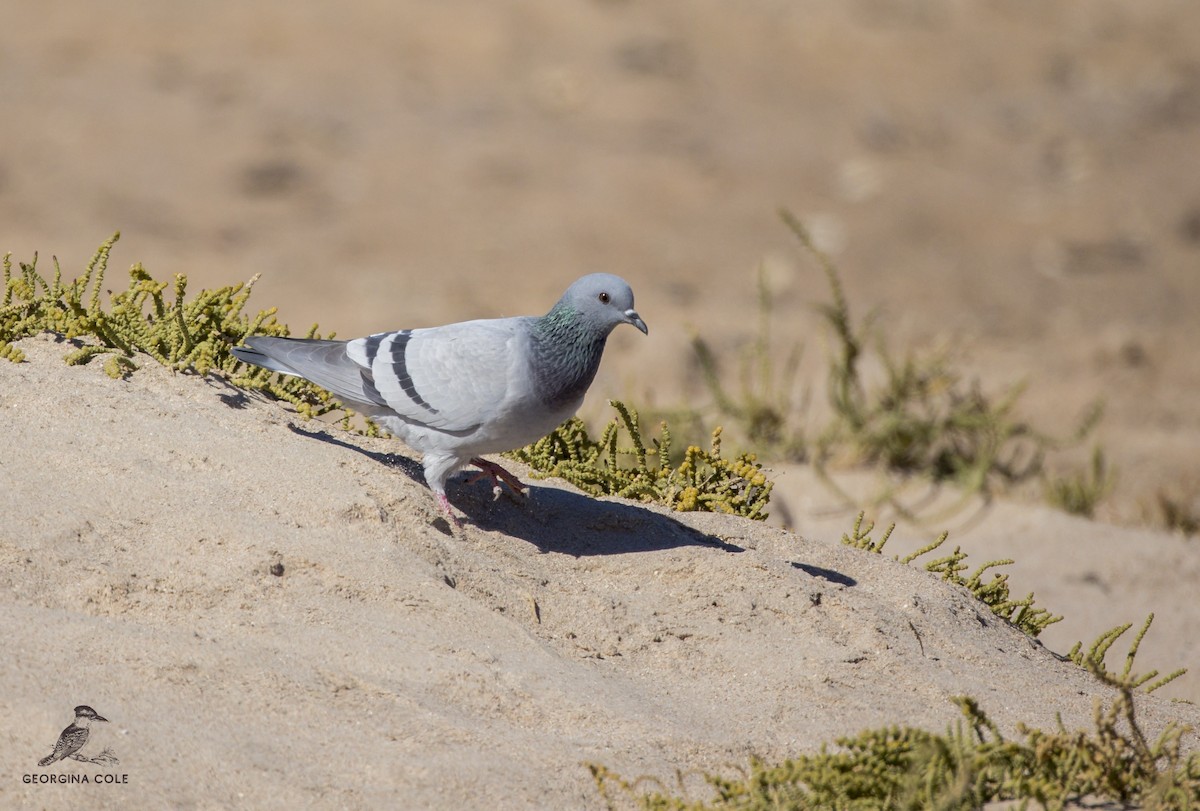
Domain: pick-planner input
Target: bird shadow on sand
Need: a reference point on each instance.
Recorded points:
(571, 523)
(825, 574)
(229, 394)
(409, 467)
(550, 518)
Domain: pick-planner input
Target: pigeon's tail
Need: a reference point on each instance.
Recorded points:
(48, 759)
(322, 362)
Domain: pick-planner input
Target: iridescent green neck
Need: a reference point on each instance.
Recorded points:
(566, 354)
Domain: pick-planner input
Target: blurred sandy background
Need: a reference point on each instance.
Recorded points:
(1017, 180)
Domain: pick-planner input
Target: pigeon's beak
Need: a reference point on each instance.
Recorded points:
(631, 317)
(100, 718)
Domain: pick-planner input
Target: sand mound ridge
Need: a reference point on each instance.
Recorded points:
(271, 613)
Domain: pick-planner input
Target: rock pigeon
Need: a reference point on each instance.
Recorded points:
(462, 390)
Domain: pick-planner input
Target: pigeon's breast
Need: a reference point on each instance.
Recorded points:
(562, 372)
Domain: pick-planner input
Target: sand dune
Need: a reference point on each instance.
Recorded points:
(271, 614)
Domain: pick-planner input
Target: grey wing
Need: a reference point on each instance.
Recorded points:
(325, 363)
(453, 378)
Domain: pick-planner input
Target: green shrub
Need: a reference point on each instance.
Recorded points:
(703, 480)
(992, 592)
(185, 335)
(923, 419)
(764, 408)
(1080, 491)
(970, 765)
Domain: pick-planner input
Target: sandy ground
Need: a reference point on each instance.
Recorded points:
(1014, 181)
(391, 659)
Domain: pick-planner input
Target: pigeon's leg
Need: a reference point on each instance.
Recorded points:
(438, 468)
(493, 471)
(444, 506)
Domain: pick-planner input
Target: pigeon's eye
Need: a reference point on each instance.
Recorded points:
(604, 298)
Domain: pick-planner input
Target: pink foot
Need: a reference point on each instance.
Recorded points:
(493, 471)
(444, 506)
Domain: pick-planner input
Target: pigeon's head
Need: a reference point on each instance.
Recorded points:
(85, 712)
(603, 301)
